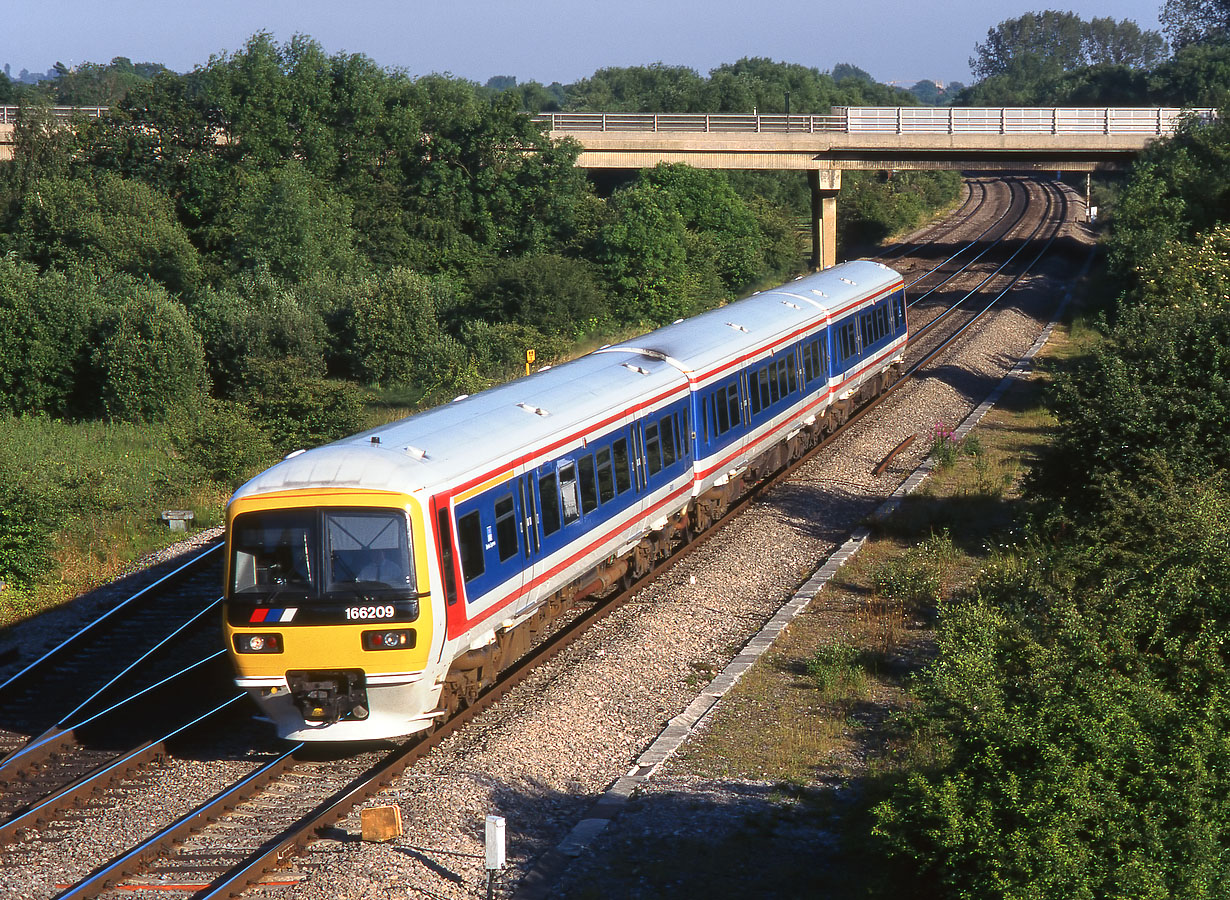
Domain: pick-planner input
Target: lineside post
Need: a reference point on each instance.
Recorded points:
(825, 185)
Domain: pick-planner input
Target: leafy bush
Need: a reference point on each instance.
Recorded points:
(221, 442)
(393, 333)
(147, 360)
(1087, 742)
(44, 328)
(298, 408)
(551, 293)
(255, 320)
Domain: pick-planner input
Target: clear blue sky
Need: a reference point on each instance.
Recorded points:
(544, 40)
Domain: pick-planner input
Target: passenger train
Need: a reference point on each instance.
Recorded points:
(377, 584)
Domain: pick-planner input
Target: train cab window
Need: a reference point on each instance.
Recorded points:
(273, 552)
(470, 546)
(606, 477)
(589, 484)
(623, 466)
(899, 307)
(506, 528)
(653, 449)
(548, 496)
(568, 492)
(368, 548)
(668, 441)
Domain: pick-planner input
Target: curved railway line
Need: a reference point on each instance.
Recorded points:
(226, 840)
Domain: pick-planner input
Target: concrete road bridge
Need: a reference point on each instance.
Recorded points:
(995, 139)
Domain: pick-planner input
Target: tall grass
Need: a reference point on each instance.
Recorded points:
(79, 501)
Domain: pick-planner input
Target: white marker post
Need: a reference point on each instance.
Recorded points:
(495, 850)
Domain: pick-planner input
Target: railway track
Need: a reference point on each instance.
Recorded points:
(201, 863)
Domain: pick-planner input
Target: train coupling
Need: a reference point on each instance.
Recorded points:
(327, 696)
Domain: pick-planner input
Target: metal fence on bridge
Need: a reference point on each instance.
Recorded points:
(897, 119)
(10, 114)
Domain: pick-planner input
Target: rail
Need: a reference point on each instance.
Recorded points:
(898, 120)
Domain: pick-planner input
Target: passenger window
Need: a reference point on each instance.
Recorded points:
(568, 492)
(721, 414)
(653, 450)
(623, 466)
(589, 484)
(505, 528)
(548, 495)
(776, 376)
(606, 479)
(668, 441)
(470, 544)
(763, 391)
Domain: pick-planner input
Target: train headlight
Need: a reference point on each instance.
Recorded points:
(257, 643)
(389, 639)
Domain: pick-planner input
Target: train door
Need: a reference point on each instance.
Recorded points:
(527, 504)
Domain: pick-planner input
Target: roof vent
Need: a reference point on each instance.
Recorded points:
(375, 439)
(635, 368)
(460, 397)
(416, 452)
(791, 305)
(820, 293)
(737, 327)
(677, 322)
(848, 281)
(293, 454)
(536, 410)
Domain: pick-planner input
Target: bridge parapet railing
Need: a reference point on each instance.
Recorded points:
(691, 123)
(1018, 120)
(898, 120)
(9, 114)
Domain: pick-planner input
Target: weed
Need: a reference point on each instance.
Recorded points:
(837, 672)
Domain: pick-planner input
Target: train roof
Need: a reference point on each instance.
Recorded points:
(703, 345)
(551, 409)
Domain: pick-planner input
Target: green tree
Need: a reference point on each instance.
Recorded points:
(392, 332)
(110, 221)
(287, 221)
(551, 293)
(1047, 43)
(254, 321)
(1196, 21)
(147, 363)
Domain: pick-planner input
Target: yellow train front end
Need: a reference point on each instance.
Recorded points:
(328, 612)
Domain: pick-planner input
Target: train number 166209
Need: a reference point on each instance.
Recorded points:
(370, 612)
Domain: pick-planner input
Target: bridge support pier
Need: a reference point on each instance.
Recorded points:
(825, 185)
